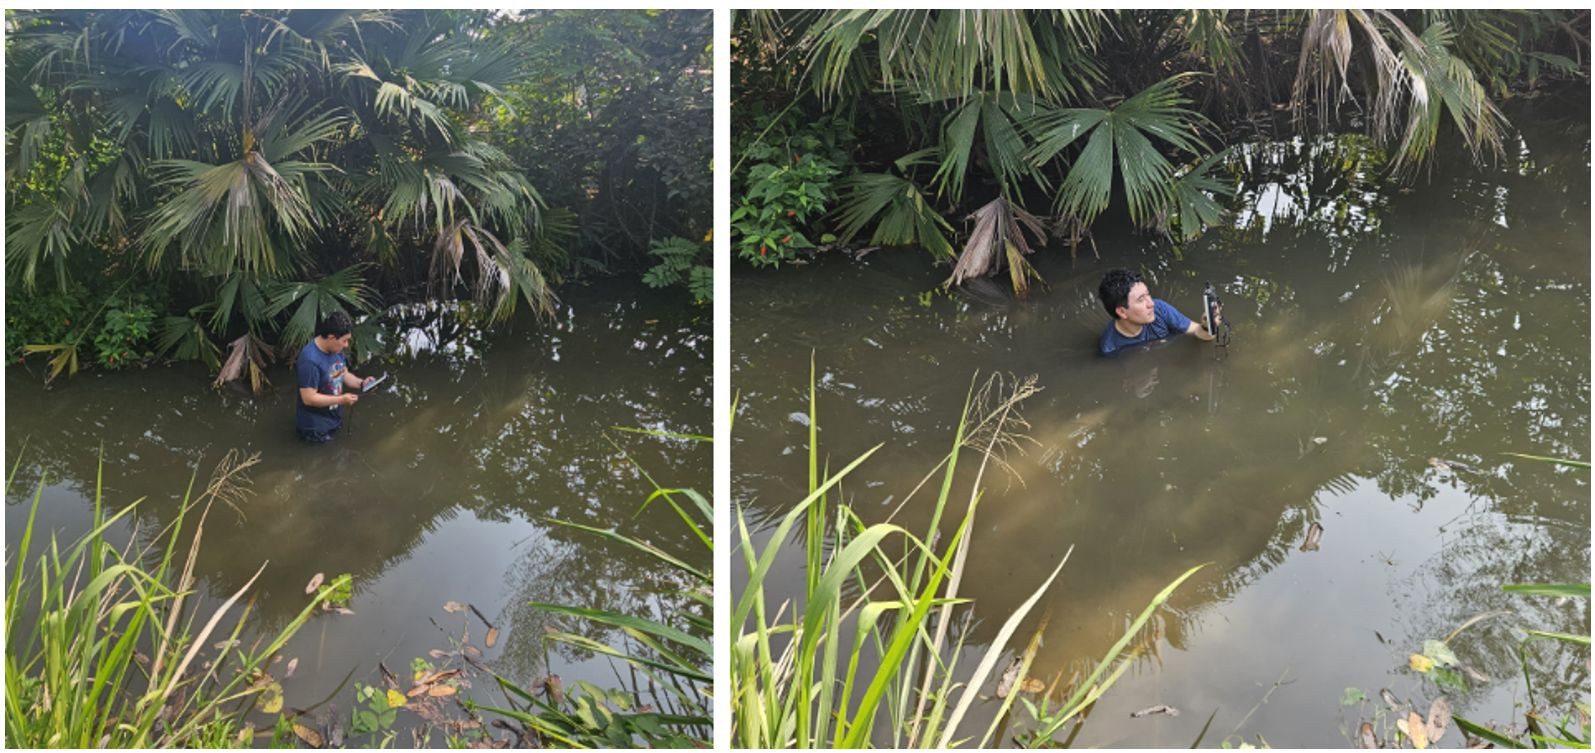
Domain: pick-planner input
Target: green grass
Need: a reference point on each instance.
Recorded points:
(882, 597)
(104, 648)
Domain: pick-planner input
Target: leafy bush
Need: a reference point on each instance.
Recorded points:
(683, 262)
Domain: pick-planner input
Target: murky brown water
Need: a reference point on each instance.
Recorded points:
(439, 491)
(1374, 328)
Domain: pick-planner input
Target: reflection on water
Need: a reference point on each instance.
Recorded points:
(1374, 329)
(438, 489)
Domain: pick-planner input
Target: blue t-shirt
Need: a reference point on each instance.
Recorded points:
(1166, 321)
(324, 373)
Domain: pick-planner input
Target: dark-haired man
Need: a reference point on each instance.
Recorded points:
(1138, 318)
(323, 373)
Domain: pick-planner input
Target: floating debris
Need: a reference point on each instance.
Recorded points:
(1032, 685)
(1390, 700)
(293, 664)
(1439, 719)
(1413, 727)
(1158, 709)
(453, 606)
(1314, 533)
(315, 583)
(554, 688)
(1009, 677)
(1366, 739)
(310, 736)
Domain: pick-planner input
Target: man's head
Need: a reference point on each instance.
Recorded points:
(333, 332)
(1125, 295)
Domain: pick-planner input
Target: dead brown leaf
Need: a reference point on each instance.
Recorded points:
(1366, 739)
(1032, 685)
(310, 736)
(492, 637)
(315, 582)
(1439, 719)
(439, 691)
(293, 664)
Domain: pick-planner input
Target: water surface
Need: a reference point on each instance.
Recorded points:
(439, 490)
(1375, 327)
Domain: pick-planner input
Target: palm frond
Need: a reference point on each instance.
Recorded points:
(901, 214)
(998, 240)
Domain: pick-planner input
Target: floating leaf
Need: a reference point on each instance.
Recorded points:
(271, 698)
(1413, 728)
(492, 637)
(1009, 676)
(555, 689)
(1420, 663)
(1447, 678)
(1439, 719)
(343, 610)
(437, 653)
(1032, 685)
(315, 582)
(396, 699)
(1366, 739)
(1440, 653)
(310, 736)
(1353, 696)
(439, 691)
(246, 734)
(453, 606)
(293, 664)
(1158, 709)
(1390, 699)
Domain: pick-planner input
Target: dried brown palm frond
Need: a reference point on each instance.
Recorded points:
(998, 240)
(502, 273)
(247, 352)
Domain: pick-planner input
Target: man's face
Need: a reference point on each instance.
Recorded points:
(1139, 311)
(337, 345)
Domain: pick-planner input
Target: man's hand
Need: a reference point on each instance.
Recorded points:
(348, 398)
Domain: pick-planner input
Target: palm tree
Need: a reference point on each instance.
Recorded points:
(268, 156)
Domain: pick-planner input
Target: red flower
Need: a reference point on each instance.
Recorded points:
(797, 157)
(791, 213)
(762, 249)
(787, 239)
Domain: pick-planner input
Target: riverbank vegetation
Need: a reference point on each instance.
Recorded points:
(105, 648)
(871, 652)
(982, 135)
(204, 185)
(111, 646)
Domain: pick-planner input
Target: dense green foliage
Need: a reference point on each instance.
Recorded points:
(255, 169)
(998, 114)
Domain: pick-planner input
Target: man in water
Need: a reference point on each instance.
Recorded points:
(1138, 318)
(323, 375)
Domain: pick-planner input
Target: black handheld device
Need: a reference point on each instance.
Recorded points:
(1211, 318)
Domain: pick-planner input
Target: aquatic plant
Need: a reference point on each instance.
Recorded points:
(103, 646)
(671, 653)
(798, 681)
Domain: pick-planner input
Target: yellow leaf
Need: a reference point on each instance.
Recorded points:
(271, 698)
(1417, 731)
(310, 736)
(395, 699)
(709, 236)
(1420, 663)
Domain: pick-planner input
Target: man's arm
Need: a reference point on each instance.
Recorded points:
(351, 381)
(1201, 332)
(310, 397)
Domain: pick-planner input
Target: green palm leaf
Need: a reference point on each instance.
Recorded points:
(313, 301)
(1117, 140)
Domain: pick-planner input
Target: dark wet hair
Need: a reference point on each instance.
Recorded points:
(335, 324)
(1115, 289)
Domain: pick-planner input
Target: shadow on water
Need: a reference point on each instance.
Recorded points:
(1374, 329)
(438, 489)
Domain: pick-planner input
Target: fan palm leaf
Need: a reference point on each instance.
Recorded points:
(899, 210)
(1119, 140)
(998, 119)
(956, 53)
(313, 300)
